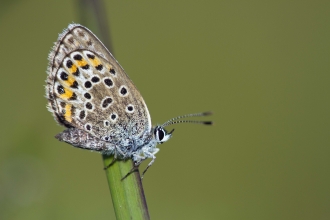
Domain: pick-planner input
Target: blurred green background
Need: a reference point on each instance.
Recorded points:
(261, 66)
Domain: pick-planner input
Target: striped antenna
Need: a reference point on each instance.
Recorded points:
(173, 120)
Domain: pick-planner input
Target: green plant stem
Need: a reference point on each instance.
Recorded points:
(127, 195)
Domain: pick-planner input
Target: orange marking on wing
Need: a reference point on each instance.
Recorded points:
(68, 113)
(95, 61)
(73, 69)
(70, 80)
(68, 93)
(82, 62)
(109, 67)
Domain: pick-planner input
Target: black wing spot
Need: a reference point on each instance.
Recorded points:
(99, 67)
(82, 115)
(74, 85)
(73, 97)
(106, 102)
(60, 89)
(77, 57)
(90, 56)
(95, 79)
(86, 67)
(88, 84)
(88, 127)
(64, 76)
(89, 105)
(123, 91)
(77, 73)
(87, 95)
(108, 82)
(69, 64)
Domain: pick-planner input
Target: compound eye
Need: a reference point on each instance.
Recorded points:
(160, 134)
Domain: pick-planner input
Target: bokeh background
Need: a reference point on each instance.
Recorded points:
(261, 66)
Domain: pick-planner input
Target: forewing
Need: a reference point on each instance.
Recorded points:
(89, 90)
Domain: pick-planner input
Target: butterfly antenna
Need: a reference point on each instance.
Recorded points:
(173, 120)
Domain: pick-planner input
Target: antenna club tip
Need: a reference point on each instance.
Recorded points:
(208, 122)
(207, 113)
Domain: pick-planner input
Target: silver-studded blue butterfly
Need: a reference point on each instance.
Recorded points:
(89, 93)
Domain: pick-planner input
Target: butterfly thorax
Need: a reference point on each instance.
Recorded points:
(135, 147)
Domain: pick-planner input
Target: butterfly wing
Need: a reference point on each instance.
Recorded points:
(88, 89)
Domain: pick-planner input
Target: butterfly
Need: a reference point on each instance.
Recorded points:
(90, 94)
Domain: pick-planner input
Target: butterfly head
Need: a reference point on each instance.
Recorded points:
(161, 135)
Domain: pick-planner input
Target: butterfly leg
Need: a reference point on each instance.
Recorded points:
(149, 165)
(134, 169)
(112, 162)
(136, 165)
(115, 156)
